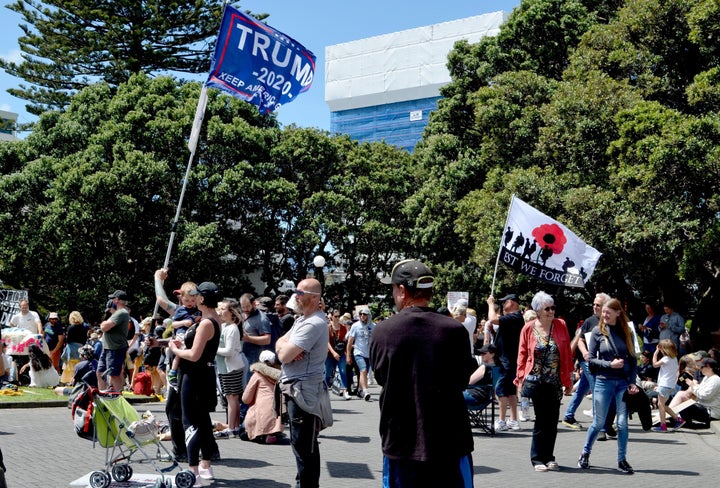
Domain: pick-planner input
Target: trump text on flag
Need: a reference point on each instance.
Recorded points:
(259, 64)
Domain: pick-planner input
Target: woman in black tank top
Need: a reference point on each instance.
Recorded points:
(197, 380)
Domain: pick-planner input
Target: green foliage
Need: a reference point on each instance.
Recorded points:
(68, 45)
(605, 119)
(89, 197)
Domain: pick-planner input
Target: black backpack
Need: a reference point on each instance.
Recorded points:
(81, 410)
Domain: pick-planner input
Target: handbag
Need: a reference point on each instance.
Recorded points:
(530, 384)
(339, 345)
(532, 381)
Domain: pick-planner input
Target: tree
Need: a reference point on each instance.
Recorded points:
(89, 208)
(67, 45)
(88, 198)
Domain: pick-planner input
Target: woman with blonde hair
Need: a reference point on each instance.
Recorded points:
(612, 359)
(76, 337)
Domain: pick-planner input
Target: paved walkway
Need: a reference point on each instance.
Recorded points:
(41, 450)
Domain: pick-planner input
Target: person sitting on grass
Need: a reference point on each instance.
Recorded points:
(42, 372)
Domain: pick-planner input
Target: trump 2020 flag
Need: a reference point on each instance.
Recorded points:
(259, 64)
(538, 246)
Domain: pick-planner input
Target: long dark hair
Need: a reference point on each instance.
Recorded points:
(38, 359)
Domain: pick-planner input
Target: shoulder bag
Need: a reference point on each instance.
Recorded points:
(532, 381)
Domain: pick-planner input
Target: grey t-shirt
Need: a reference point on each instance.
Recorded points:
(257, 324)
(310, 333)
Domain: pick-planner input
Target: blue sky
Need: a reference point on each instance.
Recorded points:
(315, 24)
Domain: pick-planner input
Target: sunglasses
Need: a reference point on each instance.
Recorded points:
(300, 293)
(550, 308)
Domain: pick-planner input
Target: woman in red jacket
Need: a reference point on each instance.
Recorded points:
(544, 365)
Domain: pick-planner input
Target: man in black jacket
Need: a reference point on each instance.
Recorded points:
(422, 360)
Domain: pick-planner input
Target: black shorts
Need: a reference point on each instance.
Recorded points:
(505, 386)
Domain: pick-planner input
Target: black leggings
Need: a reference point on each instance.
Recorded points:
(196, 419)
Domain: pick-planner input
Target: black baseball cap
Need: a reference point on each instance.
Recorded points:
(410, 273)
(510, 296)
(119, 294)
(206, 288)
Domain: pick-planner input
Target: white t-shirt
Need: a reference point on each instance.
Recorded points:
(470, 325)
(230, 355)
(28, 321)
(361, 334)
(667, 375)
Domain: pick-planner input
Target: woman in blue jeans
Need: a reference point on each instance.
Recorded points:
(612, 359)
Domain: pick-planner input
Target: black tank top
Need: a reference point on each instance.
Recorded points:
(207, 357)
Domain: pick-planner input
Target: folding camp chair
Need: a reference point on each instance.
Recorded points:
(482, 414)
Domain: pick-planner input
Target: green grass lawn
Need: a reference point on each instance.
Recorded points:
(31, 395)
(41, 395)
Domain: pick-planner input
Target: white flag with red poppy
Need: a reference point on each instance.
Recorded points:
(538, 246)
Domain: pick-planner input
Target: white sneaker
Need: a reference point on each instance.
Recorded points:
(346, 395)
(513, 425)
(366, 395)
(589, 413)
(206, 474)
(500, 425)
(523, 418)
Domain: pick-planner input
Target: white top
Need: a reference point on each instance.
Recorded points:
(29, 321)
(708, 395)
(470, 325)
(230, 351)
(44, 378)
(667, 375)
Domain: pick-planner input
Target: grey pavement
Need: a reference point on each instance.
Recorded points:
(42, 450)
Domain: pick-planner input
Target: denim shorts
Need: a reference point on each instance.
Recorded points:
(112, 361)
(362, 362)
(666, 391)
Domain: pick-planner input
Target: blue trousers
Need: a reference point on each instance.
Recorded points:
(609, 392)
(405, 473)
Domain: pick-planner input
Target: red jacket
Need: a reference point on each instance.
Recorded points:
(526, 356)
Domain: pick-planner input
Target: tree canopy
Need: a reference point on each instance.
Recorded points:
(67, 45)
(610, 123)
(89, 196)
(601, 112)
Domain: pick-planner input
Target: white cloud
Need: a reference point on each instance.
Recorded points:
(5, 107)
(13, 56)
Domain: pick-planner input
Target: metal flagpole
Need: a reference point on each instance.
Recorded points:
(192, 145)
(497, 259)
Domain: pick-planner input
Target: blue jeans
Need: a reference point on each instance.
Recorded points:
(330, 364)
(609, 392)
(586, 383)
(407, 473)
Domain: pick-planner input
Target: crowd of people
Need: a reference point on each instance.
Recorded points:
(273, 364)
(605, 357)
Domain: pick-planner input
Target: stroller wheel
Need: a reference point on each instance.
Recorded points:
(184, 479)
(122, 472)
(100, 479)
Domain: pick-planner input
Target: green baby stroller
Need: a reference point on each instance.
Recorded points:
(108, 419)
